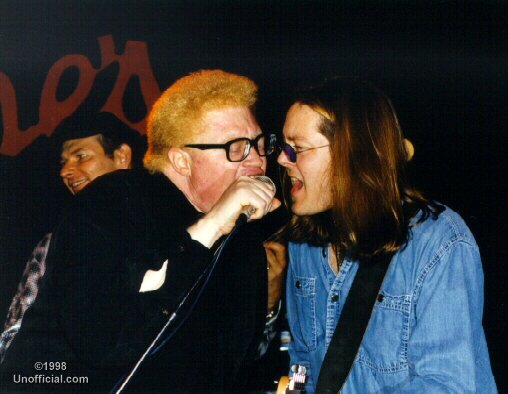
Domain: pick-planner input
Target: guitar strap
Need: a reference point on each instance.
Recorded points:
(352, 324)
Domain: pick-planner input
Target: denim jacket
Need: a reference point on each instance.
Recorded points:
(425, 333)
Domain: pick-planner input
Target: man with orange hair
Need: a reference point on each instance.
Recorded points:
(136, 243)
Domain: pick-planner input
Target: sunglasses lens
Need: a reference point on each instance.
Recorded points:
(289, 152)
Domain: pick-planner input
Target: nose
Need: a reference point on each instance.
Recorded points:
(253, 158)
(67, 170)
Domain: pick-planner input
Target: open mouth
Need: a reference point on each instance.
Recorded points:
(78, 184)
(296, 184)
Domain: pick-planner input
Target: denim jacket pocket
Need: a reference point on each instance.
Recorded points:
(305, 291)
(387, 352)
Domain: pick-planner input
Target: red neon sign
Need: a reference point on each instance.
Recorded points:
(134, 61)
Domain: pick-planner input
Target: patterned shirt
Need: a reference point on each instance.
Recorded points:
(26, 294)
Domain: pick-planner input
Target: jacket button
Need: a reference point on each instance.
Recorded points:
(298, 284)
(335, 298)
(380, 297)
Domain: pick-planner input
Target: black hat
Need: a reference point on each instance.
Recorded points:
(87, 125)
(88, 120)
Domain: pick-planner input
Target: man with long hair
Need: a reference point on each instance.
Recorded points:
(344, 157)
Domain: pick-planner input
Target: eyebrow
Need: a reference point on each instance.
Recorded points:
(219, 144)
(296, 140)
(73, 152)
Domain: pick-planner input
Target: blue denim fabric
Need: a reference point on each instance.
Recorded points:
(425, 333)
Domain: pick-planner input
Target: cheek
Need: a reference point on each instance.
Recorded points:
(95, 168)
(209, 168)
(214, 176)
(223, 176)
(326, 190)
(210, 185)
(265, 163)
(316, 174)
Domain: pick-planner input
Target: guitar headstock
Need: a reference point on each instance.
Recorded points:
(294, 384)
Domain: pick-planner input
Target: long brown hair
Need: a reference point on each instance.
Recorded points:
(372, 200)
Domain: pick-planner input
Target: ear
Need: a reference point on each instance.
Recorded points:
(410, 149)
(122, 157)
(180, 161)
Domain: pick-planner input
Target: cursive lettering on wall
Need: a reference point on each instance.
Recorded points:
(134, 62)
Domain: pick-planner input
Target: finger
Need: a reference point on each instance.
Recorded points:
(254, 181)
(250, 192)
(259, 199)
(265, 182)
(276, 203)
(246, 186)
(273, 245)
(262, 202)
(273, 203)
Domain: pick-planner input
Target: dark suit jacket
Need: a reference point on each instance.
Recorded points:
(90, 315)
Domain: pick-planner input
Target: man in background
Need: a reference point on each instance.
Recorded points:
(90, 147)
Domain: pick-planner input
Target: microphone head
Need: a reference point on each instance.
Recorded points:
(265, 179)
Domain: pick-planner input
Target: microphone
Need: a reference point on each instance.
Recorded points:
(248, 211)
(265, 179)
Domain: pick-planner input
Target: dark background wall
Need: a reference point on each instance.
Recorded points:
(443, 63)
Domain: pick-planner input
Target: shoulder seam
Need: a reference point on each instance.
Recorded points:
(457, 239)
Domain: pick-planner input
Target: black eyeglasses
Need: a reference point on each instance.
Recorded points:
(291, 152)
(239, 148)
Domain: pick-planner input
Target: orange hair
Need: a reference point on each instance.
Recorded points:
(176, 116)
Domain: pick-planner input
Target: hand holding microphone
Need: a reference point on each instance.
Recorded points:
(248, 198)
(250, 210)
